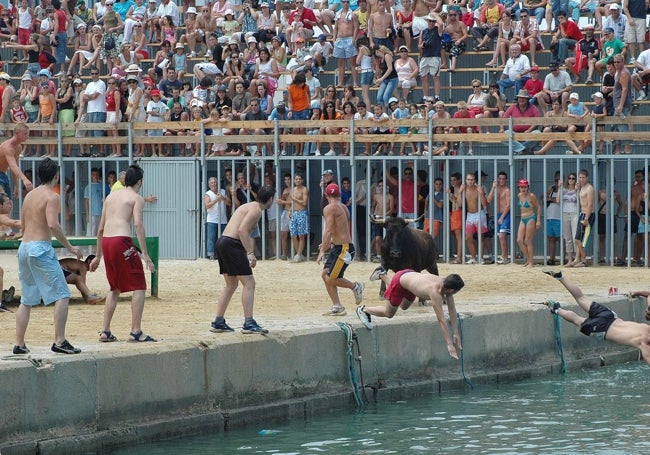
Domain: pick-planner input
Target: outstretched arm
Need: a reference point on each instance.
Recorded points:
(436, 304)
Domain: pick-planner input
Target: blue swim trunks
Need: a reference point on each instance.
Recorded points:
(299, 223)
(344, 48)
(41, 276)
(553, 228)
(504, 228)
(4, 182)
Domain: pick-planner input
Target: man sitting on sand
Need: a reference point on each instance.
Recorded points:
(602, 322)
(408, 284)
(74, 271)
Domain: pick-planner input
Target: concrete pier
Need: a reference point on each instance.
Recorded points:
(100, 399)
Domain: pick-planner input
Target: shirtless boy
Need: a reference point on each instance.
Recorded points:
(501, 191)
(602, 322)
(10, 151)
(585, 220)
(337, 239)
(383, 205)
(41, 277)
(380, 26)
(235, 251)
(401, 292)
(123, 264)
(299, 225)
(476, 222)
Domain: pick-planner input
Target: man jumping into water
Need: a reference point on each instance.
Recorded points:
(602, 322)
(401, 292)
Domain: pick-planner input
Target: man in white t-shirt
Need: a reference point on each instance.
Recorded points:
(94, 99)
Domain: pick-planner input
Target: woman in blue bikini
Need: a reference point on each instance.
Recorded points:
(531, 215)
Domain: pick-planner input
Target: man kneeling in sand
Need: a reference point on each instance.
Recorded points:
(74, 272)
(602, 322)
(401, 292)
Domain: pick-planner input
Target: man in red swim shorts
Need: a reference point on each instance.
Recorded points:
(121, 258)
(401, 292)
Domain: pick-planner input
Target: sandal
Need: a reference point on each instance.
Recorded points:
(109, 337)
(138, 337)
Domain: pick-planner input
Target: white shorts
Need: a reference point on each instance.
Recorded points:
(635, 34)
(419, 25)
(430, 66)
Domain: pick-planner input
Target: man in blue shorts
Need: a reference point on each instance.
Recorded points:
(299, 224)
(501, 191)
(346, 27)
(602, 322)
(337, 239)
(41, 277)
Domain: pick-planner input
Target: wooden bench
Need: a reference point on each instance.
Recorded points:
(152, 249)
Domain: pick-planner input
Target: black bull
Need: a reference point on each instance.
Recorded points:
(406, 248)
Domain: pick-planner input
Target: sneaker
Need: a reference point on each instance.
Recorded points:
(65, 348)
(192, 54)
(589, 81)
(219, 327)
(500, 260)
(631, 61)
(331, 153)
(377, 273)
(470, 152)
(376, 259)
(552, 305)
(94, 299)
(365, 317)
(20, 350)
(641, 96)
(253, 327)
(59, 74)
(336, 311)
(470, 261)
(358, 292)
(317, 152)
(554, 274)
(283, 153)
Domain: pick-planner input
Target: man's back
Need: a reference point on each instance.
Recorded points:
(119, 208)
(36, 205)
(245, 217)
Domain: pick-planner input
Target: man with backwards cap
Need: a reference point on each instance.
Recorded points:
(337, 239)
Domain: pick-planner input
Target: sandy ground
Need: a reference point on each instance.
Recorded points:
(288, 295)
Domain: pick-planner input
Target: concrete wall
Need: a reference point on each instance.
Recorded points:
(86, 402)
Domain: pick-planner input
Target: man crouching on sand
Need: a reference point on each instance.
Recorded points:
(74, 271)
(408, 284)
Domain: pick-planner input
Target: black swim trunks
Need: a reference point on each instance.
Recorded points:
(232, 257)
(338, 259)
(599, 321)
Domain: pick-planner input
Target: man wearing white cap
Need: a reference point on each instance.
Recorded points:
(615, 21)
(8, 93)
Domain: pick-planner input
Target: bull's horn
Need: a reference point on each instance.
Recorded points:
(375, 219)
(415, 220)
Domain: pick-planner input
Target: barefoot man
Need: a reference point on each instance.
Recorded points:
(585, 220)
(40, 275)
(401, 292)
(346, 27)
(10, 151)
(501, 190)
(337, 239)
(476, 222)
(602, 322)
(123, 264)
(236, 255)
(299, 223)
(380, 26)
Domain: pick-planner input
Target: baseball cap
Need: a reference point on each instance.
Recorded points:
(553, 65)
(392, 100)
(534, 68)
(45, 72)
(332, 190)
(574, 95)
(222, 88)
(597, 95)
(614, 6)
(179, 46)
(403, 48)
(77, 82)
(229, 11)
(322, 37)
(5, 76)
(328, 172)
(523, 182)
(155, 92)
(608, 30)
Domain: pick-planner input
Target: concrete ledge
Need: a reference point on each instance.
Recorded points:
(90, 402)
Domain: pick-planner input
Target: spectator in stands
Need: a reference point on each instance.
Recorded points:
(515, 73)
(33, 49)
(607, 86)
(611, 46)
(387, 77)
(27, 93)
(362, 16)
(301, 23)
(487, 27)
(535, 8)
(265, 72)
(59, 36)
(501, 48)
(313, 84)
(265, 24)
(641, 77)
(65, 107)
(365, 67)
(588, 7)
(240, 101)
(463, 114)
(407, 72)
(83, 49)
(112, 27)
(135, 111)
(527, 35)
(457, 30)
(346, 27)
(99, 9)
(534, 85)
(255, 113)
(495, 102)
(587, 53)
(615, 20)
(380, 26)
(522, 109)
(94, 98)
(404, 23)
(157, 112)
(248, 20)
(430, 45)
(635, 29)
(477, 99)
(597, 112)
(170, 9)
(554, 13)
(329, 113)
(557, 85)
(134, 15)
(331, 94)
(622, 98)
(565, 39)
(168, 83)
(561, 127)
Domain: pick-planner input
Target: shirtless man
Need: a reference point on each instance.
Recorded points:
(645, 294)
(285, 217)
(346, 27)
(421, 9)
(458, 32)
(401, 292)
(41, 277)
(475, 215)
(636, 196)
(585, 220)
(10, 151)
(235, 251)
(74, 272)
(602, 322)
(380, 26)
(501, 190)
(383, 204)
(337, 239)
(299, 226)
(456, 218)
(123, 264)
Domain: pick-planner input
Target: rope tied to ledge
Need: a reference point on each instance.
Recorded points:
(354, 355)
(558, 342)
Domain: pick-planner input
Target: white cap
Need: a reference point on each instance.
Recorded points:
(251, 39)
(392, 99)
(191, 10)
(229, 11)
(574, 96)
(597, 95)
(179, 46)
(614, 6)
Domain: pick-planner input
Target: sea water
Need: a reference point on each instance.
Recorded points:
(602, 411)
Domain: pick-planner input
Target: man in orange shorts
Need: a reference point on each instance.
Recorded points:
(401, 292)
(123, 264)
(456, 217)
